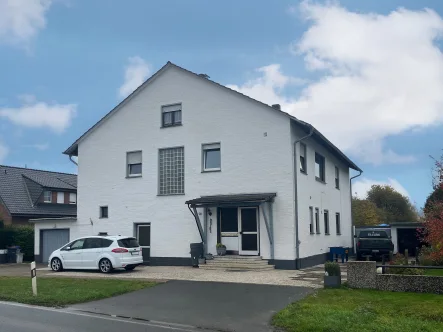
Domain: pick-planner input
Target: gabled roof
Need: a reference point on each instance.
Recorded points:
(73, 149)
(20, 189)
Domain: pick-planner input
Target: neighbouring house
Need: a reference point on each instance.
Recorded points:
(184, 159)
(28, 195)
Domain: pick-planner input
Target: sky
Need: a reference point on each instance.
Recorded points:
(367, 74)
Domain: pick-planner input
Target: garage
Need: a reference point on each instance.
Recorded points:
(52, 239)
(406, 235)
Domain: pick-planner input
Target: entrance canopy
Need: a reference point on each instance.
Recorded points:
(231, 200)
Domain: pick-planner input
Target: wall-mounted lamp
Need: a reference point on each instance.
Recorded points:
(209, 212)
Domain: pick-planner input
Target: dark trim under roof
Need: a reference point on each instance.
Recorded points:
(73, 149)
(231, 199)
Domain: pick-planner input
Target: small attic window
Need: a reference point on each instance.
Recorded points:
(47, 196)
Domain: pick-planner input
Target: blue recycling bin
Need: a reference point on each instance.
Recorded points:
(334, 252)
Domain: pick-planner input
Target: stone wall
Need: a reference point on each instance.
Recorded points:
(364, 275)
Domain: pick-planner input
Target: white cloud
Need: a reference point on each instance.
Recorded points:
(4, 151)
(40, 147)
(136, 72)
(56, 117)
(361, 187)
(21, 20)
(381, 75)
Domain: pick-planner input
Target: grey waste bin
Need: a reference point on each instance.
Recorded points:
(196, 253)
(3, 254)
(12, 254)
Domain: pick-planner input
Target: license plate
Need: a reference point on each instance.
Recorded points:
(375, 250)
(135, 253)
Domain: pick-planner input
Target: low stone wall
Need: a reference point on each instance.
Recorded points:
(364, 275)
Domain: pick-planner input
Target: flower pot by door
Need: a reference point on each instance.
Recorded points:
(332, 281)
(221, 251)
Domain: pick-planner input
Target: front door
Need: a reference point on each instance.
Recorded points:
(144, 240)
(248, 229)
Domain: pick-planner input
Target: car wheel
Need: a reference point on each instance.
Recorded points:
(105, 265)
(129, 268)
(56, 265)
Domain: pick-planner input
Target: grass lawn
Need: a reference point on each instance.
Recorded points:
(434, 272)
(363, 310)
(55, 292)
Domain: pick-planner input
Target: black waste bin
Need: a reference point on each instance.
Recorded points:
(11, 257)
(196, 253)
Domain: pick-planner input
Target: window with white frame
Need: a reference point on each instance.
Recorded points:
(211, 157)
(337, 178)
(317, 221)
(311, 220)
(134, 163)
(171, 115)
(302, 158)
(103, 212)
(319, 167)
(337, 223)
(326, 219)
(47, 196)
(72, 198)
(60, 198)
(171, 166)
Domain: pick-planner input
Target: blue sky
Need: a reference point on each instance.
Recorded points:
(366, 73)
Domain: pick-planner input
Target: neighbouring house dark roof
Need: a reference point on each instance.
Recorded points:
(20, 189)
(232, 199)
(73, 149)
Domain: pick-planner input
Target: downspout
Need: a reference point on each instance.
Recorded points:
(296, 170)
(72, 161)
(350, 197)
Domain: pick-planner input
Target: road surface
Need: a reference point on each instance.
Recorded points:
(24, 318)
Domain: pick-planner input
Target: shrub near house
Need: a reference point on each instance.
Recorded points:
(22, 236)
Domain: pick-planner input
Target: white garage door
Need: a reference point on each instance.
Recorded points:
(52, 239)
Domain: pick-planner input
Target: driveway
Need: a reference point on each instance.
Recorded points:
(22, 270)
(209, 305)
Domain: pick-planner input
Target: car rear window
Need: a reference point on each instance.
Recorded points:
(375, 234)
(128, 243)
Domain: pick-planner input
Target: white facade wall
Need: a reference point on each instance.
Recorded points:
(255, 157)
(324, 196)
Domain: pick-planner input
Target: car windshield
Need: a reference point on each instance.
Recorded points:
(374, 234)
(128, 243)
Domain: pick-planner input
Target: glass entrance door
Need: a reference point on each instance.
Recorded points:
(249, 231)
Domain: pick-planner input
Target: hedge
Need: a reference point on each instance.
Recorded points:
(22, 236)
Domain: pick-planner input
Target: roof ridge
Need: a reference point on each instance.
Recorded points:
(38, 170)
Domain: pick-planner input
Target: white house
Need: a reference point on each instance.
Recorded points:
(184, 159)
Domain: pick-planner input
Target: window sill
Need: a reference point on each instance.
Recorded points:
(312, 233)
(318, 233)
(338, 234)
(327, 233)
(102, 217)
(134, 176)
(171, 194)
(337, 188)
(303, 172)
(211, 170)
(173, 125)
(319, 180)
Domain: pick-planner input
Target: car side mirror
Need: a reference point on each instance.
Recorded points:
(67, 248)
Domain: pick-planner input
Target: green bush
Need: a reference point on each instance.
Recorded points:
(332, 268)
(22, 236)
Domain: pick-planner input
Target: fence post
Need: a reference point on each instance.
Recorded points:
(407, 256)
(383, 262)
(34, 278)
(391, 256)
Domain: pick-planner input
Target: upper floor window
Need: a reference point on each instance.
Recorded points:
(103, 212)
(211, 157)
(171, 115)
(317, 221)
(171, 171)
(337, 178)
(60, 197)
(72, 198)
(134, 163)
(326, 219)
(302, 158)
(319, 167)
(47, 196)
(311, 220)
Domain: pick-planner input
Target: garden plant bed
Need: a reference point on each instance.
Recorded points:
(363, 310)
(58, 292)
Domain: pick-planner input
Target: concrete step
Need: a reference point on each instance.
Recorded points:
(233, 261)
(238, 258)
(237, 267)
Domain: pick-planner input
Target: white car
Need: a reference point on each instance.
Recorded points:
(103, 253)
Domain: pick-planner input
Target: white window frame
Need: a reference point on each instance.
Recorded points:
(317, 221)
(326, 222)
(50, 196)
(337, 177)
(172, 109)
(303, 166)
(311, 220)
(72, 201)
(210, 147)
(62, 196)
(128, 164)
(321, 167)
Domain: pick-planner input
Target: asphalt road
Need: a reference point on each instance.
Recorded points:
(23, 318)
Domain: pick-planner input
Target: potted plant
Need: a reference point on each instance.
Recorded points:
(332, 275)
(221, 249)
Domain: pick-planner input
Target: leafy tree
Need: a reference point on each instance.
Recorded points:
(433, 231)
(392, 206)
(365, 213)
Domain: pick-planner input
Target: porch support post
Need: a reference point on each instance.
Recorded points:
(199, 225)
(269, 225)
(205, 228)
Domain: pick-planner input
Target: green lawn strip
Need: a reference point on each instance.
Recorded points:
(57, 292)
(432, 272)
(344, 310)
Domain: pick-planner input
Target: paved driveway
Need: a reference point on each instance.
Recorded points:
(210, 305)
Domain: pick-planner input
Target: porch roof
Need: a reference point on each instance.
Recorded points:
(231, 199)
